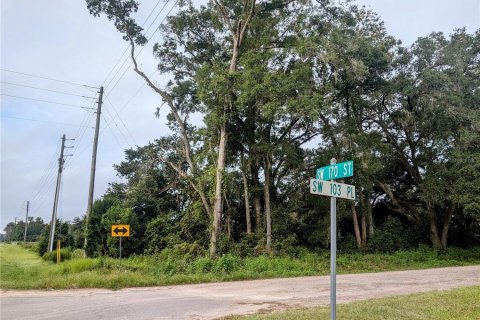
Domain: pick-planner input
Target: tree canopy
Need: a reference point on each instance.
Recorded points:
(283, 86)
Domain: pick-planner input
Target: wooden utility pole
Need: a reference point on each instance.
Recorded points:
(94, 158)
(55, 201)
(26, 223)
(94, 154)
(61, 162)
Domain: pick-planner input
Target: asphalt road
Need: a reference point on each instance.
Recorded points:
(213, 300)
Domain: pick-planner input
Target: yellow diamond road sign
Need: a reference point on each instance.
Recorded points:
(120, 230)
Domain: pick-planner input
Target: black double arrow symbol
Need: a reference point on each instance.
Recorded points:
(123, 230)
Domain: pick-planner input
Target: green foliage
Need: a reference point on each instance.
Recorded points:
(202, 265)
(118, 215)
(43, 241)
(95, 231)
(62, 233)
(227, 263)
(407, 117)
(16, 231)
(391, 236)
(65, 254)
(22, 268)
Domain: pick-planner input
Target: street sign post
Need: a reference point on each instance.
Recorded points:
(335, 171)
(120, 231)
(334, 190)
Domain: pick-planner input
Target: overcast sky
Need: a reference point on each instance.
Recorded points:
(59, 39)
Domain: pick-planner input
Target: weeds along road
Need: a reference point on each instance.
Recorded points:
(214, 300)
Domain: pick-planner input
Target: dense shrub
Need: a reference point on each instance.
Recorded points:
(65, 254)
(389, 237)
(227, 263)
(202, 265)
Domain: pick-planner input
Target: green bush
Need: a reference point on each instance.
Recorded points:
(286, 246)
(390, 237)
(348, 244)
(226, 263)
(65, 254)
(202, 265)
(78, 254)
(187, 251)
(246, 246)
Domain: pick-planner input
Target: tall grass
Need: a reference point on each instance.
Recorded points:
(456, 304)
(22, 269)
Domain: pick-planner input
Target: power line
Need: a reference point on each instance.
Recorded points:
(47, 101)
(116, 125)
(47, 78)
(136, 92)
(113, 133)
(126, 49)
(46, 180)
(49, 90)
(80, 134)
(119, 118)
(37, 120)
(143, 47)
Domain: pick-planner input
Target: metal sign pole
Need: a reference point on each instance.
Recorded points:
(333, 254)
(333, 257)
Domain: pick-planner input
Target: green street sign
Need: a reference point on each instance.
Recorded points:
(335, 171)
(332, 189)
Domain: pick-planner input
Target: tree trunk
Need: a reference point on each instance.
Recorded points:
(237, 36)
(268, 217)
(229, 226)
(364, 231)
(364, 220)
(446, 225)
(358, 236)
(371, 225)
(218, 203)
(247, 202)
(434, 235)
(256, 197)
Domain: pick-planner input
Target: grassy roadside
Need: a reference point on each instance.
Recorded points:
(457, 304)
(23, 269)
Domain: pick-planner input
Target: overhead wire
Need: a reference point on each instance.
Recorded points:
(117, 114)
(45, 175)
(126, 49)
(124, 137)
(43, 89)
(113, 133)
(45, 121)
(46, 183)
(46, 101)
(81, 132)
(47, 78)
(139, 89)
(148, 39)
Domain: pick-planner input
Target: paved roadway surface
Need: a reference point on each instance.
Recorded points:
(214, 300)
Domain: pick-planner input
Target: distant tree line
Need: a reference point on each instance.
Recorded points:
(15, 231)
